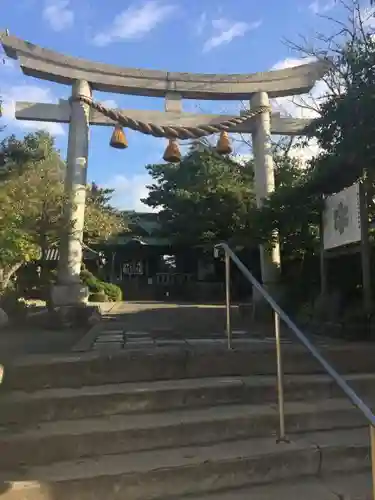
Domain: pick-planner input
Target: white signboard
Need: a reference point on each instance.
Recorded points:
(341, 218)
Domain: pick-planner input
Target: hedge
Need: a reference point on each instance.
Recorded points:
(98, 297)
(111, 291)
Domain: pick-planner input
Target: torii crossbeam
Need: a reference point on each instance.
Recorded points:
(60, 113)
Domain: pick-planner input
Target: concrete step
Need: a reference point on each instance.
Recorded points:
(26, 408)
(73, 439)
(164, 364)
(350, 486)
(193, 470)
(331, 487)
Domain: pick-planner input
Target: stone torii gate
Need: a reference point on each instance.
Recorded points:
(80, 112)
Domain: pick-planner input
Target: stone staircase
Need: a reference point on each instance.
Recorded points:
(174, 423)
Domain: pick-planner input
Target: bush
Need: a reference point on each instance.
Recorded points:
(93, 284)
(98, 297)
(13, 305)
(113, 292)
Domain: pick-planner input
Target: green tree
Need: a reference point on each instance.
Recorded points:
(344, 128)
(288, 212)
(2, 127)
(30, 174)
(203, 199)
(31, 204)
(101, 219)
(18, 154)
(208, 198)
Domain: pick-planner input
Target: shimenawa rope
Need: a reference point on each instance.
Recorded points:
(176, 132)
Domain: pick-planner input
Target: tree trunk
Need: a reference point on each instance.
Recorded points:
(43, 259)
(6, 274)
(365, 242)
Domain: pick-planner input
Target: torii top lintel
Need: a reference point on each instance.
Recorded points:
(49, 65)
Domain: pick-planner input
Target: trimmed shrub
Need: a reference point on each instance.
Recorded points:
(98, 297)
(92, 283)
(113, 292)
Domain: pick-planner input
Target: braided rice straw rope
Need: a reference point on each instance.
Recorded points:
(169, 132)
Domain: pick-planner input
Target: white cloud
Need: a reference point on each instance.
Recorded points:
(135, 22)
(129, 191)
(225, 31)
(30, 93)
(322, 7)
(58, 14)
(201, 24)
(7, 64)
(300, 106)
(291, 62)
(109, 103)
(242, 158)
(367, 16)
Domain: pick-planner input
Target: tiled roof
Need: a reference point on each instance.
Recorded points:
(53, 254)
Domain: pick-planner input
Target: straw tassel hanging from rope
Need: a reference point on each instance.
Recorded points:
(118, 139)
(223, 146)
(172, 154)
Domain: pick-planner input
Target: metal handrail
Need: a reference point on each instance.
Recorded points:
(279, 313)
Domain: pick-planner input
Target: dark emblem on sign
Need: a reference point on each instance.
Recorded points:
(341, 217)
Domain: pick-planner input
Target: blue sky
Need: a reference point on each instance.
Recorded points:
(211, 36)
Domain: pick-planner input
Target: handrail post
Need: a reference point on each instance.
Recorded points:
(281, 315)
(227, 300)
(372, 446)
(280, 379)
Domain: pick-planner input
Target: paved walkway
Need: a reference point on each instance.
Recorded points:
(19, 340)
(108, 338)
(152, 325)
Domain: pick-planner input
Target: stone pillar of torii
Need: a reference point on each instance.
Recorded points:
(86, 76)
